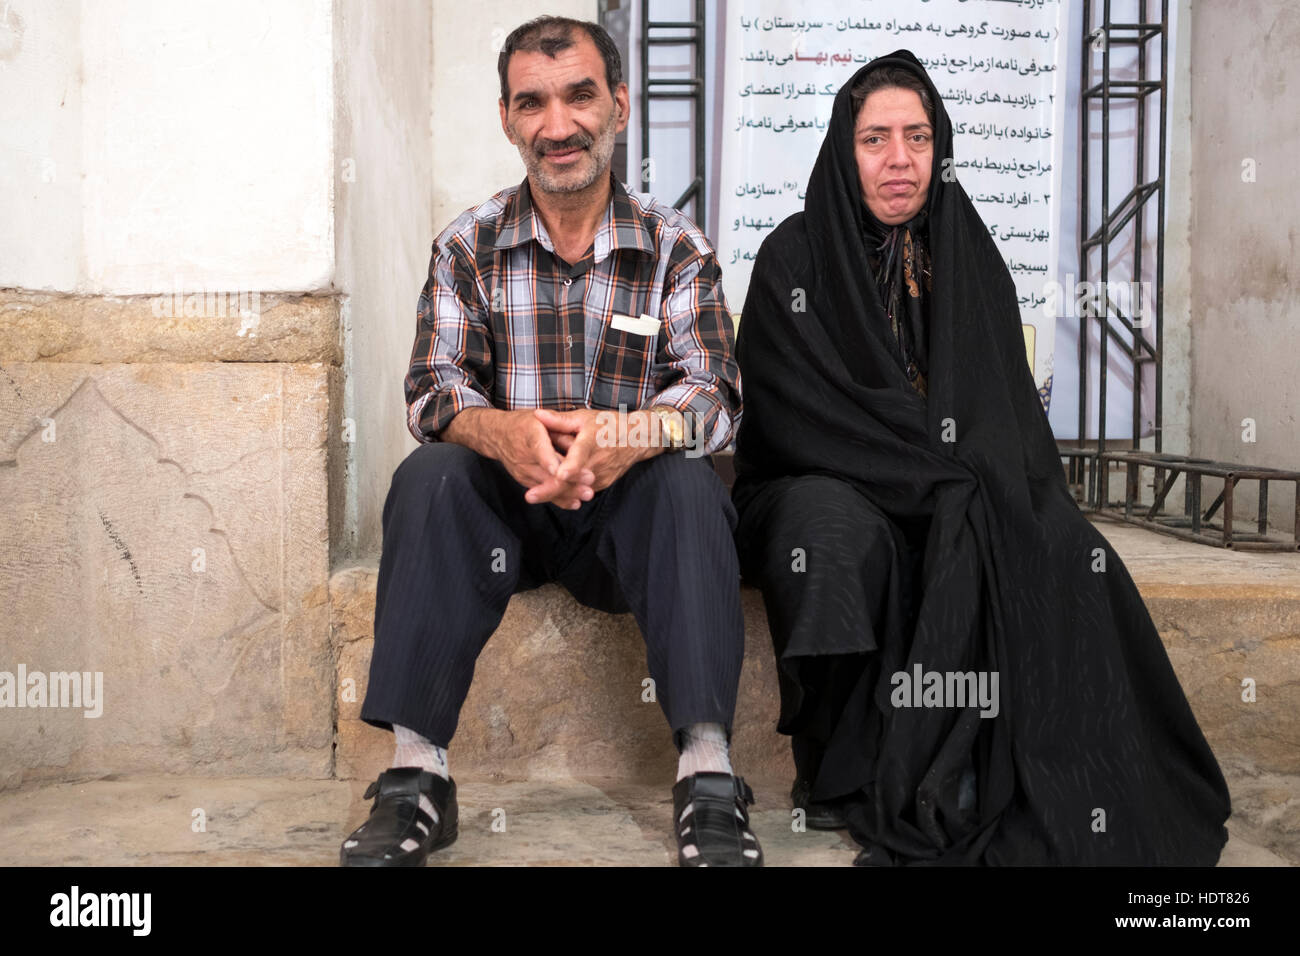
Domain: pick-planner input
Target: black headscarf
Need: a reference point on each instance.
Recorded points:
(899, 260)
(1092, 715)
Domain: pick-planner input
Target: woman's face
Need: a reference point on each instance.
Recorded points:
(893, 143)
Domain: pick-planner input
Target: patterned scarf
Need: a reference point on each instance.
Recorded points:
(897, 255)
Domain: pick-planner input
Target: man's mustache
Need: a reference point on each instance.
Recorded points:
(580, 141)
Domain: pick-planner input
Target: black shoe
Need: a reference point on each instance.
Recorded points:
(396, 817)
(818, 816)
(709, 813)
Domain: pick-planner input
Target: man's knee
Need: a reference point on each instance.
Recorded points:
(679, 477)
(437, 463)
(441, 473)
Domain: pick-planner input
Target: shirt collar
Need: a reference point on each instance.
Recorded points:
(622, 228)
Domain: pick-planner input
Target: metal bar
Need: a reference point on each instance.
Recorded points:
(701, 161)
(697, 184)
(1262, 523)
(1139, 88)
(1204, 466)
(1164, 491)
(674, 88)
(691, 84)
(644, 54)
(1209, 513)
(1158, 299)
(1195, 509)
(1084, 178)
(1139, 237)
(1227, 512)
(1112, 225)
(1103, 339)
(1107, 217)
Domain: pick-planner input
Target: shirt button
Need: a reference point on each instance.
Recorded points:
(568, 342)
(568, 281)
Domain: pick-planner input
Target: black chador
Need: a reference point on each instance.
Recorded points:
(904, 508)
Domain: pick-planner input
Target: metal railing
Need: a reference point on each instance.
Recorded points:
(677, 33)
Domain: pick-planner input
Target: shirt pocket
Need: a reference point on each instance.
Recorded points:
(622, 369)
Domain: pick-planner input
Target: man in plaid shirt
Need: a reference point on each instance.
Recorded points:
(573, 360)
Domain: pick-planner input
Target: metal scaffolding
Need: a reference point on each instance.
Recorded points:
(1089, 467)
(677, 33)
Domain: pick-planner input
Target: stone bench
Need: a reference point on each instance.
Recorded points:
(558, 689)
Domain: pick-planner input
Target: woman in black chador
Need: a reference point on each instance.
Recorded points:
(904, 509)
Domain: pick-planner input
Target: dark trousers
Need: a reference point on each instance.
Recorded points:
(459, 540)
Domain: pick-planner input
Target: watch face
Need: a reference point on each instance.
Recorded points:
(672, 428)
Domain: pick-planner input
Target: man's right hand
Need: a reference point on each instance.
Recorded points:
(523, 445)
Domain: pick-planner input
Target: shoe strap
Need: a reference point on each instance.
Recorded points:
(412, 782)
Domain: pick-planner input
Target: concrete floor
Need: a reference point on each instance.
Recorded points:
(152, 821)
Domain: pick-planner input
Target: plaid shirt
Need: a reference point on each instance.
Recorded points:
(503, 322)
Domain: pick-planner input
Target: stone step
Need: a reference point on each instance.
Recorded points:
(558, 690)
(276, 821)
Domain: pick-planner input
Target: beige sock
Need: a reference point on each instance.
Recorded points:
(414, 750)
(704, 749)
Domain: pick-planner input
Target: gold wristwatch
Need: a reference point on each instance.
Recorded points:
(671, 427)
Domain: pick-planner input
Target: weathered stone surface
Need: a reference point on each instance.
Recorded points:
(557, 692)
(557, 689)
(37, 326)
(113, 478)
(150, 821)
(1226, 616)
(1265, 808)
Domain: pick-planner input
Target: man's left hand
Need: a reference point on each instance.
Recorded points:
(584, 437)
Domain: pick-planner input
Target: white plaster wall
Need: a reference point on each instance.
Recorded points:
(384, 188)
(1245, 242)
(1176, 365)
(40, 143)
(205, 145)
(472, 157)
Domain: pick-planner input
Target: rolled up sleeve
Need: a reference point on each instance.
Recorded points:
(451, 361)
(703, 378)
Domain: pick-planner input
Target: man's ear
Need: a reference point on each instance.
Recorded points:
(501, 105)
(622, 108)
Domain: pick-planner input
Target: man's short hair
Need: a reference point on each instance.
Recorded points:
(550, 35)
(890, 77)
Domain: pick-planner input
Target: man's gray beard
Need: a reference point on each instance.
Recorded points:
(601, 152)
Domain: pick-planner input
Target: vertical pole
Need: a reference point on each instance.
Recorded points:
(1160, 231)
(1139, 233)
(701, 208)
(1085, 175)
(645, 92)
(1102, 337)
